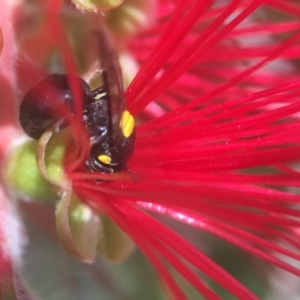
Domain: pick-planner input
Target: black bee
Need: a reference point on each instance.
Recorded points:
(108, 122)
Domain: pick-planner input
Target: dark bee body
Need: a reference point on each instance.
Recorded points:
(100, 127)
(109, 125)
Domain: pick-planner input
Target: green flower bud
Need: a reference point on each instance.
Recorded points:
(114, 244)
(23, 175)
(77, 227)
(22, 172)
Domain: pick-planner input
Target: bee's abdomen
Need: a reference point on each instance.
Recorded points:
(41, 105)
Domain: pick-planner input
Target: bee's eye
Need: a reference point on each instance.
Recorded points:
(40, 105)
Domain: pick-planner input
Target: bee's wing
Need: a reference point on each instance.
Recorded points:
(112, 75)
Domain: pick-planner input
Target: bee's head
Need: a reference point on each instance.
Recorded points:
(108, 158)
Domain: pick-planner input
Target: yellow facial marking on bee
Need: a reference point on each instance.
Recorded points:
(127, 123)
(98, 96)
(105, 159)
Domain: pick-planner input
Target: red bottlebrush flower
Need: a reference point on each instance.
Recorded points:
(216, 100)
